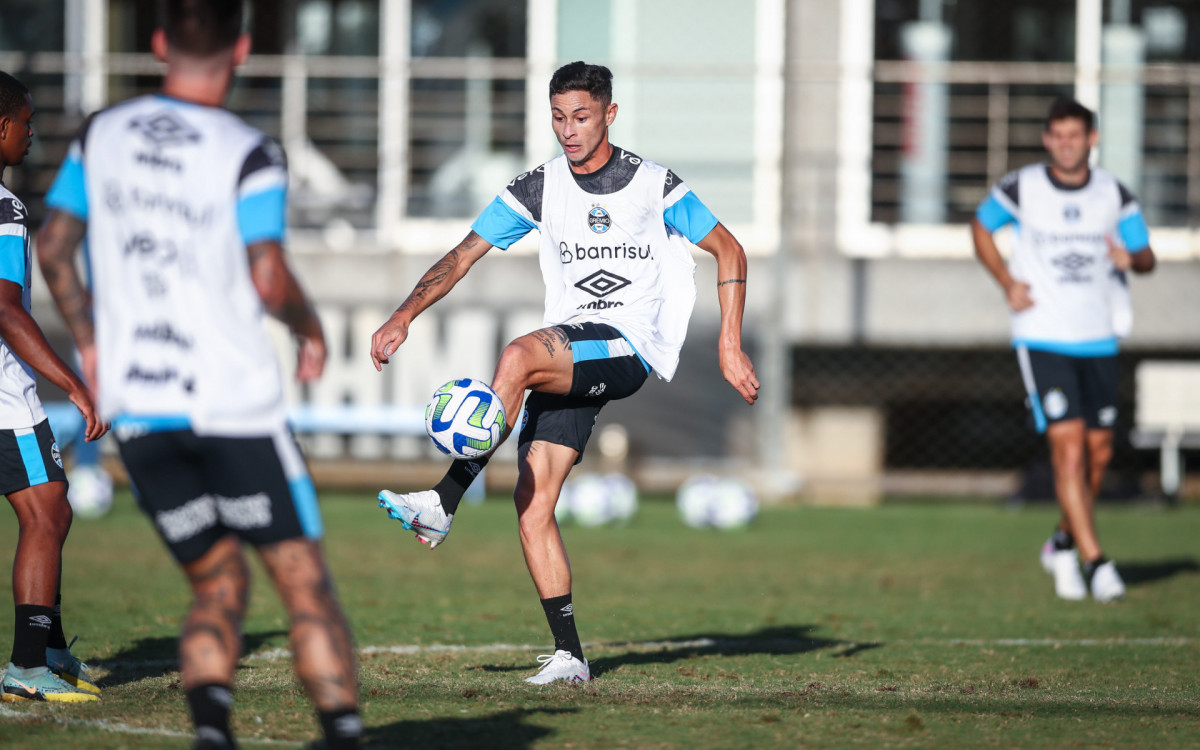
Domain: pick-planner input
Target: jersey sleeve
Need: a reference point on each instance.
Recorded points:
(262, 194)
(684, 212)
(1131, 226)
(501, 224)
(69, 191)
(14, 236)
(1002, 206)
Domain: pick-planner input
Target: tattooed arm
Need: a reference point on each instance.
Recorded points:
(285, 301)
(731, 292)
(435, 284)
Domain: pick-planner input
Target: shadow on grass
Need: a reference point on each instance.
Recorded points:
(507, 730)
(155, 657)
(779, 640)
(1140, 572)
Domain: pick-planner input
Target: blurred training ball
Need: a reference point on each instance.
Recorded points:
(465, 418)
(90, 491)
(719, 502)
(597, 499)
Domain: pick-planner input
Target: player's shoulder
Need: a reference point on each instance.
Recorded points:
(1106, 181)
(12, 210)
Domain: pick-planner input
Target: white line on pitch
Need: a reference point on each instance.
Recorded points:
(118, 728)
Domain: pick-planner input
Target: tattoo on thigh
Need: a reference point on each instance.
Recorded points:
(548, 340)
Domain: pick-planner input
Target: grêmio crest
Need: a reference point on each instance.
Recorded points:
(598, 220)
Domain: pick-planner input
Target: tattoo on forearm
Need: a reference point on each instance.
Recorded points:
(731, 281)
(433, 278)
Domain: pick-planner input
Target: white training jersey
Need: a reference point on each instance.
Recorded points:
(19, 404)
(1061, 250)
(172, 193)
(614, 247)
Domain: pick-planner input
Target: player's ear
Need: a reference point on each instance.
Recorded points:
(610, 113)
(158, 45)
(241, 49)
(1093, 138)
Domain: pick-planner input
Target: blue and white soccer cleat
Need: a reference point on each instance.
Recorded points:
(72, 671)
(560, 665)
(421, 512)
(40, 684)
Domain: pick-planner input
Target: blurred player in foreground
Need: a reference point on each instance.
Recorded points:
(42, 667)
(619, 275)
(183, 207)
(1077, 227)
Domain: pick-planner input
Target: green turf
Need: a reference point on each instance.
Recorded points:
(911, 625)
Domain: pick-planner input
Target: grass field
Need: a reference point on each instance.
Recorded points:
(904, 626)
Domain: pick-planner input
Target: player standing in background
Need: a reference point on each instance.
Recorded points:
(184, 206)
(42, 667)
(620, 287)
(1076, 226)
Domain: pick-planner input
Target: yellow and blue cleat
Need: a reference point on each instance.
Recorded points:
(40, 684)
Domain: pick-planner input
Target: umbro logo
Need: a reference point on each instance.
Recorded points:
(602, 283)
(40, 621)
(568, 610)
(1073, 261)
(165, 129)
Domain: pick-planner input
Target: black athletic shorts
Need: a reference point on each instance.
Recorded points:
(197, 489)
(607, 368)
(28, 457)
(1060, 387)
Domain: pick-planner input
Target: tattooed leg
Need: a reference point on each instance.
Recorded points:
(538, 361)
(211, 642)
(322, 646)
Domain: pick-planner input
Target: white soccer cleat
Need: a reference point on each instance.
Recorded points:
(420, 512)
(1047, 556)
(560, 665)
(1107, 585)
(1068, 581)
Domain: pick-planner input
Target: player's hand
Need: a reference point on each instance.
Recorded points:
(310, 359)
(387, 340)
(739, 372)
(1018, 296)
(94, 429)
(1121, 258)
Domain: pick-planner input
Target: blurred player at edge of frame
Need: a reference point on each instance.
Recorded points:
(41, 667)
(183, 206)
(1078, 229)
(620, 285)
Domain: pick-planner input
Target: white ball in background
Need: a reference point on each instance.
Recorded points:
(622, 497)
(90, 491)
(692, 500)
(589, 499)
(732, 504)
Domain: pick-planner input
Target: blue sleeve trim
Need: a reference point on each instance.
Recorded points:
(500, 225)
(690, 217)
(12, 259)
(69, 191)
(262, 216)
(1134, 233)
(992, 215)
(1097, 348)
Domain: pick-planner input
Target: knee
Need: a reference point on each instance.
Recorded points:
(515, 362)
(533, 516)
(51, 519)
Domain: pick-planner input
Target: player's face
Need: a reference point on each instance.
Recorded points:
(581, 126)
(1069, 142)
(16, 133)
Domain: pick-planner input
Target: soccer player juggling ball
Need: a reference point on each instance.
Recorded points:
(619, 277)
(1077, 229)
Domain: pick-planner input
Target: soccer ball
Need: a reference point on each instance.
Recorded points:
(90, 491)
(465, 418)
(719, 502)
(597, 499)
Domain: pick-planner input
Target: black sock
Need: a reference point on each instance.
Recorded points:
(560, 613)
(210, 705)
(342, 728)
(56, 638)
(1062, 540)
(1089, 568)
(29, 635)
(459, 477)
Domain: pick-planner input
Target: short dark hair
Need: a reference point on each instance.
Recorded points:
(1065, 109)
(12, 95)
(580, 76)
(201, 27)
